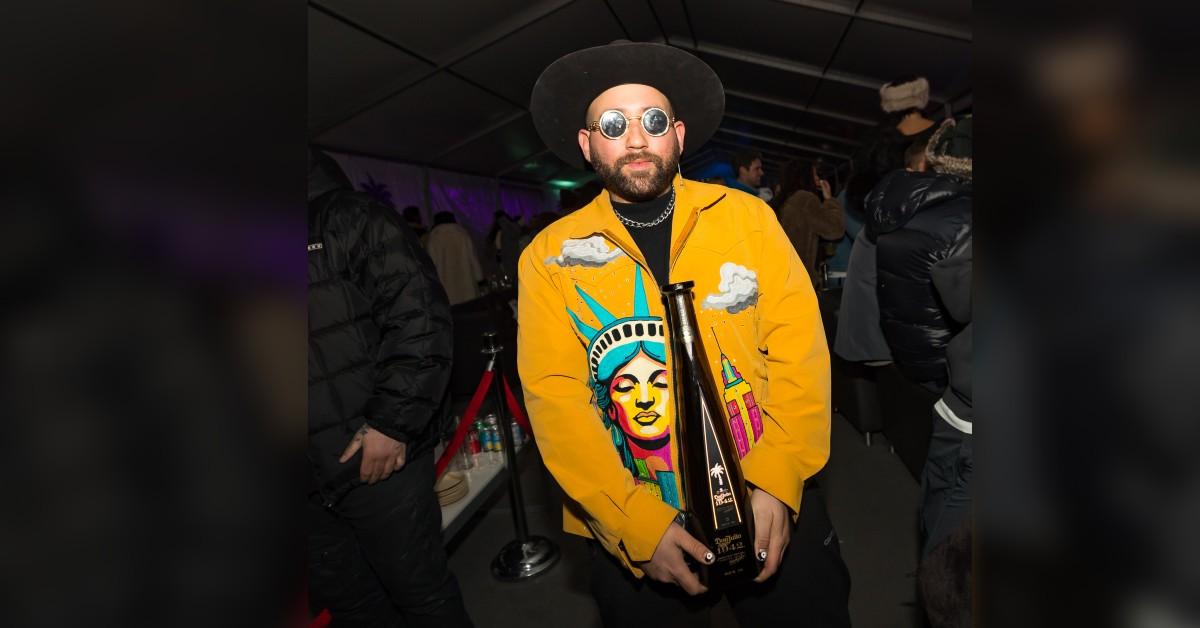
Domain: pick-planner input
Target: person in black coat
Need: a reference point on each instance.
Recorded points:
(916, 218)
(947, 529)
(379, 351)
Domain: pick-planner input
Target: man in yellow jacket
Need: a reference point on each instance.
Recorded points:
(593, 360)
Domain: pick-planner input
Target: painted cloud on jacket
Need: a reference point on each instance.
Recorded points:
(737, 291)
(593, 252)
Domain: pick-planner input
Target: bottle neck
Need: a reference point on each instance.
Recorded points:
(682, 316)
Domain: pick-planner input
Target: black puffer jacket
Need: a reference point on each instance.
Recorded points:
(915, 219)
(379, 331)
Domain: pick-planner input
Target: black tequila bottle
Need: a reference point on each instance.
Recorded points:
(715, 500)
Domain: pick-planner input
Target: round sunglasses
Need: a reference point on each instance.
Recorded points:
(613, 124)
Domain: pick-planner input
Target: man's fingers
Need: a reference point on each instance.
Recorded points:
(684, 577)
(365, 470)
(383, 468)
(351, 449)
(764, 550)
(375, 468)
(696, 549)
(762, 541)
(386, 469)
(776, 543)
(782, 539)
(779, 535)
(771, 564)
(372, 469)
(770, 568)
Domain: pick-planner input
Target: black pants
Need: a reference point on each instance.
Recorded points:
(811, 588)
(376, 558)
(945, 483)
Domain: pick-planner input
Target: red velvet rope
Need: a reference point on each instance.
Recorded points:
(468, 418)
(515, 409)
(465, 424)
(322, 620)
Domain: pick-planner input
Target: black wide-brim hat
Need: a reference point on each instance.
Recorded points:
(565, 89)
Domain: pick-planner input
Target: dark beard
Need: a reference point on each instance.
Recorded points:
(641, 187)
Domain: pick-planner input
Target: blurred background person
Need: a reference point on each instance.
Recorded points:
(748, 168)
(904, 101)
(947, 490)
(944, 573)
(452, 250)
(571, 200)
(412, 218)
(719, 172)
(808, 213)
(539, 222)
(916, 218)
(505, 239)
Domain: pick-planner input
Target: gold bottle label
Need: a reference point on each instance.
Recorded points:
(726, 510)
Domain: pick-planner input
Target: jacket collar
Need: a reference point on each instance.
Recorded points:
(598, 217)
(902, 194)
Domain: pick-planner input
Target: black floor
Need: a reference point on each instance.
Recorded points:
(872, 500)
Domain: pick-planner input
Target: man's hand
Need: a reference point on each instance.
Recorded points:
(771, 524)
(381, 454)
(826, 192)
(668, 565)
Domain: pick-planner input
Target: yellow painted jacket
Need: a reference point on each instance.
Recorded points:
(594, 363)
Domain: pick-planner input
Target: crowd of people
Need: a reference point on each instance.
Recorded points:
(592, 356)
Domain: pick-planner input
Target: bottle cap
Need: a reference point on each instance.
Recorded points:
(681, 286)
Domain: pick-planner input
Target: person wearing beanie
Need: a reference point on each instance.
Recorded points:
(904, 101)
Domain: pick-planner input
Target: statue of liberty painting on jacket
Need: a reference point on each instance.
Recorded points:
(629, 376)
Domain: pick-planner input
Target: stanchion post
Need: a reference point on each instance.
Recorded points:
(527, 556)
(516, 500)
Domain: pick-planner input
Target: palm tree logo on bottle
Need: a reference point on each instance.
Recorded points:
(718, 472)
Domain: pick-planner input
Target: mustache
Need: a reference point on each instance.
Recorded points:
(655, 159)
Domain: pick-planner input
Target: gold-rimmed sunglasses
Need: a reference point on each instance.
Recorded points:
(613, 124)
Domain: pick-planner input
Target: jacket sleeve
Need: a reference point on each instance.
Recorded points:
(829, 220)
(409, 306)
(859, 336)
(625, 517)
(796, 401)
(804, 214)
(952, 279)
